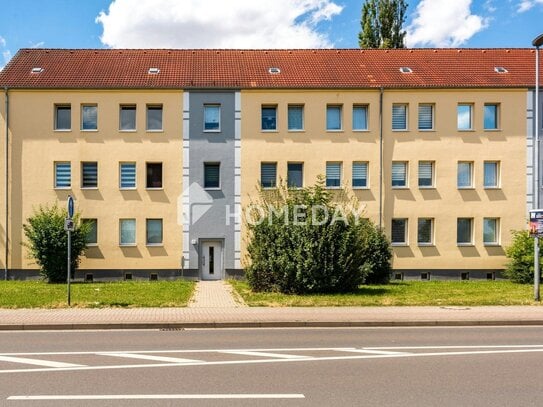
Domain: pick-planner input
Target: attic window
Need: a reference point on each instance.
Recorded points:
(154, 71)
(500, 69)
(405, 69)
(37, 70)
(274, 71)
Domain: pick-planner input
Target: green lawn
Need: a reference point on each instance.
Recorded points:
(38, 294)
(401, 293)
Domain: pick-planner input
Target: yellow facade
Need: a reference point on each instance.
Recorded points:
(445, 145)
(36, 146)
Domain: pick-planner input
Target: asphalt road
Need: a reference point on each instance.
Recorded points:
(491, 366)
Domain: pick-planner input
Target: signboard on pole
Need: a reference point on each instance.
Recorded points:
(536, 223)
(70, 207)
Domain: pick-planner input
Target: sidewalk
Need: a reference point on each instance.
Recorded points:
(171, 318)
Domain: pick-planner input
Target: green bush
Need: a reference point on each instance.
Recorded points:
(520, 267)
(326, 248)
(47, 242)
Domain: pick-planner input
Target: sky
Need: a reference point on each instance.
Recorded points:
(256, 24)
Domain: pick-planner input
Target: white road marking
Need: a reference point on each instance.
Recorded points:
(375, 352)
(453, 347)
(159, 397)
(266, 354)
(148, 357)
(37, 362)
(499, 349)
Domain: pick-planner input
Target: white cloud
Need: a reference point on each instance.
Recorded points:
(526, 5)
(37, 44)
(444, 23)
(216, 23)
(6, 53)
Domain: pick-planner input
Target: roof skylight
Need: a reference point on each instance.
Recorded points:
(37, 70)
(154, 71)
(405, 69)
(274, 70)
(500, 69)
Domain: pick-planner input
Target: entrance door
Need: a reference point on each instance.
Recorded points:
(211, 260)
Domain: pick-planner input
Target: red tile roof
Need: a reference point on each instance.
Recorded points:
(246, 69)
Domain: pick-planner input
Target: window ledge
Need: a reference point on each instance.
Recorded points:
(212, 131)
(128, 130)
(296, 130)
(128, 189)
(466, 188)
(269, 188)
(492, 244)
(427, 130)
(466, 130)
(334, 187)
(426, 244)
(154, 244)
(154, 131)
(89, 130)
(492, 188)
(361, 188)
(154, 189)
(427, 188)
(465, 245)
(492, 130)
(62, 188)
(397, 187)
(89, 188)
(63, 130)
(213, 189)
(127, 245)
(361, 130)
(400, 130)
(405, 244)
(92, 244)
(335, 131)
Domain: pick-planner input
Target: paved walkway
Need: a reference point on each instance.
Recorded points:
(215, 294)
(119, 318)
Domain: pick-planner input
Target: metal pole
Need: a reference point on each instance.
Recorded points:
(6, 192)
(381, 91)
(69, 263)
(536, 173)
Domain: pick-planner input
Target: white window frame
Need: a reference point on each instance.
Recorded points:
(121, 233)
(366, 110)
(367, 164)
(497, 118)
(275, 179)
(55, 178)
(340, 164)
(433, 179)
(161, 243)
(161, 178)
(406, 113)
(91, 244)
(498, 175)
(432, 114)
(340, 109)
(126, 106)
(496, 232)
(303, 174)
(302, 109)
(431, 242)
(121, 176)
(471, 174)
(62, 106)
(470, 105)
(406, 175)
(216, 106)
(154, 106)
(83, 174)
(406, 232)
(212, 163)
(275, 108)
(470, 243)
(84, 106)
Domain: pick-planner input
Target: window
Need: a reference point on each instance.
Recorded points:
(212, 175)
(426, 117)
(127, 175)
(154, 176)
(127, 228)
(89, 175)
(464, 117)
(212, 118)
(295, 175)
(492, 174)
(360, 117)
(268, 175)
(465, 175)
(360, 175)
(399, 174)
(63, 175)
(491, 234)
(127, 118)
(426, 174)
(269, 117)
(92, 235)
(333, 175)
(89, 117)
(295, 117)
(491, 116)
(464, 232)
(154, 232)
(63, 117)
(399, 117)
(333, 117)
(425, 231)
(154, 117)
(399, 232)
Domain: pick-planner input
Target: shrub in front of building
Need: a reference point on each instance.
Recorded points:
(47, 242)
(520, 268)
(312, 240)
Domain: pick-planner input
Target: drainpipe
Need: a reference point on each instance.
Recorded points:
(381, 91)
(6, 169)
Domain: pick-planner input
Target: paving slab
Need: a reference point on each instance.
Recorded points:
(215, 294)
(209, 317)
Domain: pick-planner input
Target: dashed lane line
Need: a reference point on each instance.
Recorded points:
(37, 362)
(148, 357)
(157, 397)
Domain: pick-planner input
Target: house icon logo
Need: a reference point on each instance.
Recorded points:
(193, 204)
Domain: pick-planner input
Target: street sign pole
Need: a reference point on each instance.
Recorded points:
(69, 227)
(536, 230)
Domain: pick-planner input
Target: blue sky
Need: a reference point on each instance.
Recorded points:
(255, 24)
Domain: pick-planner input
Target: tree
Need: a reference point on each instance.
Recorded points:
(381, 24)
(47, 242)
(312, 241)
(520, 268)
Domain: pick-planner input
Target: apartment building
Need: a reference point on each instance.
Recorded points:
(164, 149)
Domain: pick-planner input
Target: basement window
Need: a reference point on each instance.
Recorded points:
(405, 69)
(37, 70)
(153, 71)
(274, 71)
(500, 69)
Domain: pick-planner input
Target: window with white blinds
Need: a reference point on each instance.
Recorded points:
(127, 175)
(295, 175)
(333, 174)
(63, 175)
(398, 234)
(360, 175)
(426, 173)
(399, 117)
(426, 117)
(89, 175)
(295, 117)
(399, 174)
(268, 175)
